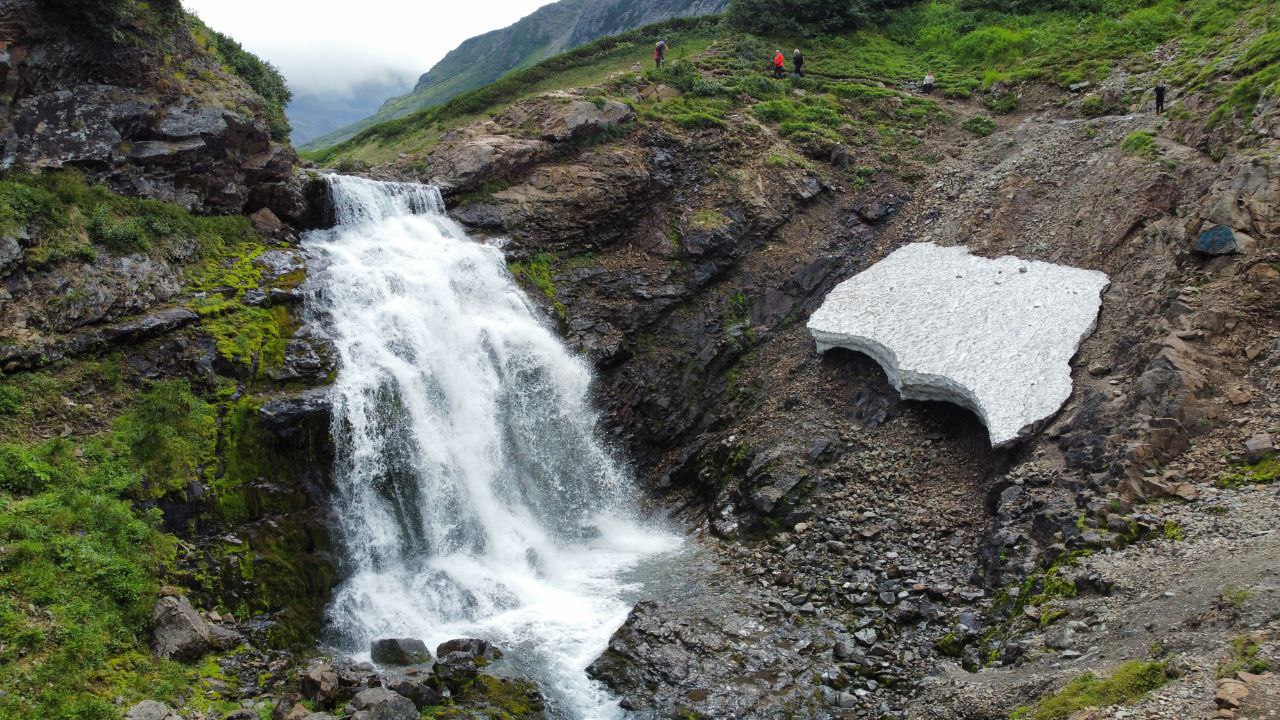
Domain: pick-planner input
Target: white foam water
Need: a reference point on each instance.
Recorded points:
(476, 498)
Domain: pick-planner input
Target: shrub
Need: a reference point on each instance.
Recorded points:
(980, 125)
(992, 45)
(1127, 683)
(262, 76)
(1140, 143)
(775, 17)
(169, 434)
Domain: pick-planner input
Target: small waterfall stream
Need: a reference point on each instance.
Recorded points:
(476, 496)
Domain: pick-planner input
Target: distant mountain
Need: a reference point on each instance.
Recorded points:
(313, 114)
(548, 31)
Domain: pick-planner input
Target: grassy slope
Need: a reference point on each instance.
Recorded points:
(971, 52)
(85, 453)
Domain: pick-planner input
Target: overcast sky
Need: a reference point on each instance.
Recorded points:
(329, 45)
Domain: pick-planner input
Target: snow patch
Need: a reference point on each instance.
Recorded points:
(994, 336)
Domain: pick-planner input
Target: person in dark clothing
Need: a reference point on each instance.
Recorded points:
(779, 65)
(928, 83)
(659, 53)
(797, 59)
(1160, 89)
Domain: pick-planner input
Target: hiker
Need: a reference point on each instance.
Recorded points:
(1160, 89)
(779, 65)
(659, 53)
(798, 60)
(928, 83)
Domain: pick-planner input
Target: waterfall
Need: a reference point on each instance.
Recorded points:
(476, 497)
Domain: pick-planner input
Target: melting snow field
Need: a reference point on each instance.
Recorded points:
(994, 336)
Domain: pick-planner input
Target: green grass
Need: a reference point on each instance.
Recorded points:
(538, 272)
(81, 562)
(1140, 143)
(708, 220)
(1244, 657)
(971, 50)
(1127, 683)
(979, 125)
(588, 64)
(1263, 472)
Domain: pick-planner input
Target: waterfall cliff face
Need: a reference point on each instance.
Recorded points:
(475, 495)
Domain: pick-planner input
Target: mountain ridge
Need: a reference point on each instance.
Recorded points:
(548, 31)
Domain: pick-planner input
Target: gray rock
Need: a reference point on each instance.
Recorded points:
(476, 648)
(417, 689)
(456, 670)
(180, 633)
(580, 118)
(1061, 639)
(224, 638)
(148, 710)
(383, 704)
(1259, 447)
(10, 254)
(399, 651)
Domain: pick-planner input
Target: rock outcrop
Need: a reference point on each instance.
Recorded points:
(993, 336)
(159, 117)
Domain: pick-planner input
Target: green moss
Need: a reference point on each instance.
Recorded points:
(708, 220)
(1173, 531)
(1127, 683)
(1263, 472)
(79, 571)
(980, 125)
(1244, 657)
(170, 434)
(538, 273)
(952, 644)
(1140, 143)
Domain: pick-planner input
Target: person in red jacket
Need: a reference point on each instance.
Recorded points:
(659, 53)
(779, 65)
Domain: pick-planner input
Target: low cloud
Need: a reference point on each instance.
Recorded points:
(328, 47)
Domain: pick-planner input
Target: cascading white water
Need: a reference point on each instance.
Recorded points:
(476, 498)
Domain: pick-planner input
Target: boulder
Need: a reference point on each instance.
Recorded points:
(150, 710)
(10, 254)
(1259, 447)
(399, 651)
(180, 633)
(418, 689)
(579, 118)
(383, 704)
(224, 638)
(482, 649)
(1220, 240)
(319, 683)
(993, 336)
(456, 670)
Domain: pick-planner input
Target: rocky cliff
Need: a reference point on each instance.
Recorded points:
(164, 437)
(877, 558)
(148, 107)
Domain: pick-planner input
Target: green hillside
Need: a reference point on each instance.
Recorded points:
(549, 31)
(974, 50)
